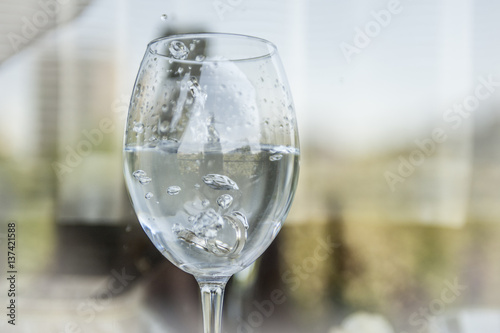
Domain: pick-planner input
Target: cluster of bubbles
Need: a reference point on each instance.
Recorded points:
(203, 234)
(142, 177)
(205, 226)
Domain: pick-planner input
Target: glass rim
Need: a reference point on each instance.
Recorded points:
(272, 49)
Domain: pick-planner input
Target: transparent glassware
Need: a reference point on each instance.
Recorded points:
(211, 155)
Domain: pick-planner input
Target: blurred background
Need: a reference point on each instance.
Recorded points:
(396, 223)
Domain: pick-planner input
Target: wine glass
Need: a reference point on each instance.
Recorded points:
(211, 155)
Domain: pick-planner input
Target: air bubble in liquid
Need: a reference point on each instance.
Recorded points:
(139, 174)
(173, 190)
(142, 177)
(145, 180)
(149, 195)
(224, 201)
(220, 182)
(275, 157)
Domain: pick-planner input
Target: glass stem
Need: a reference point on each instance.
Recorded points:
(212, 295)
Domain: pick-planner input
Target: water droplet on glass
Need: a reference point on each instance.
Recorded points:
(200, 57)
(275, 157)
(149, 195)
(220, 182)
(178, 50)
(173, 190)
(138, 127)
(224, 201)
(164, 17)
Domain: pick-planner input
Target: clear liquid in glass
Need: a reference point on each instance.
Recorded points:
(186, 201)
